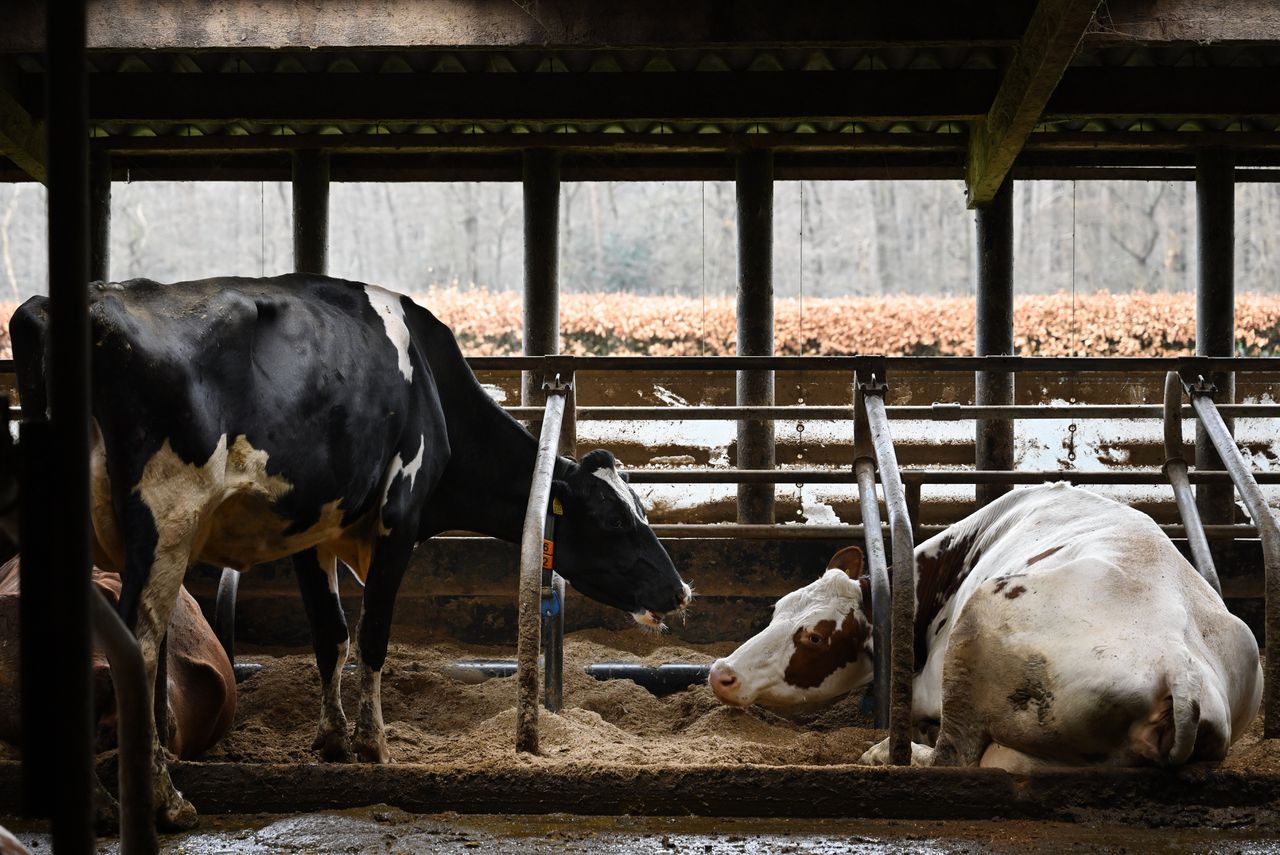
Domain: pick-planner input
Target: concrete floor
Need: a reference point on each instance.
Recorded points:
(388, 830)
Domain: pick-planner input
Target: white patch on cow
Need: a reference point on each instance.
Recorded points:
(387, 305)
(761, 662)
(610, 476)
(400, 468)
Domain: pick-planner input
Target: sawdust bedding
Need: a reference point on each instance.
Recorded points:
(434, 719)
(437, 720)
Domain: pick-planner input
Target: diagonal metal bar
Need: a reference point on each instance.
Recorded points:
(1039, 62)
(1175, 469)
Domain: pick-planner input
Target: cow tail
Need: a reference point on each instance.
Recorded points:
(1186, 716)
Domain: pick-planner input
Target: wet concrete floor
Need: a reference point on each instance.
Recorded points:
(389, 830)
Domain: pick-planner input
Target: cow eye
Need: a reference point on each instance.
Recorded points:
(814, 639)
(614, 524)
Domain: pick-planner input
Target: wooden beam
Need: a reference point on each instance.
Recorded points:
(176, 25)
(1038, 64)
(1198, 21)
(21, 136)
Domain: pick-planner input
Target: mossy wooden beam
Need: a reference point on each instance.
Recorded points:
(21, 136)
(1038, 64)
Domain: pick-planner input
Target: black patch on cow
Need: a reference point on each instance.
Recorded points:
(938, 577)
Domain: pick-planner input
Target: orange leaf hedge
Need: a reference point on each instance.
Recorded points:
(489, 323)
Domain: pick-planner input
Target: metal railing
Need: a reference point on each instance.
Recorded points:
(893, 595)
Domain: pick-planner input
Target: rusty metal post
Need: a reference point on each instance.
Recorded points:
(71, 556)
(100, 216)
(993, 438)
(755, 326)
(1215, 310)
(311, 212)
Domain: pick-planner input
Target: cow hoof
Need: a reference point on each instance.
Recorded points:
(178, 815)
(373, 752)
(333, 746)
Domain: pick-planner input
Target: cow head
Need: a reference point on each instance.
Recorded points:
(816, 648)
(604, 546)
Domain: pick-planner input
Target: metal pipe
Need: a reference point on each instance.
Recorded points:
(1175, 468)
(1215, 307)
(993, 437)
(1269, 533)
(100, 216)
(903, 581)
(881, 596)
(553, 655)
(930, 412)
(927, 476)
(858, 532)
(224, 612)
(529, 615)
(71, 706)
(902, 364)
(133, 728)
(311, 211)
(658, 679)
(541, 329)
(36, 603)
(756, 446)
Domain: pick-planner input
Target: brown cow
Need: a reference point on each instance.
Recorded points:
(202, 686)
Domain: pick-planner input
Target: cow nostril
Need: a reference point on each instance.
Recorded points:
(727, 681)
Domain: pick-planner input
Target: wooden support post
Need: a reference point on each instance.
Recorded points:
(993, 439)
(541, 268)
(1215, 310)
(100, 216)
(70, 553)
(22, 138)
(755, 326)
(1042, 56)
(311, 212)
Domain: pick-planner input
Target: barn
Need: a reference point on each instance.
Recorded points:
(498, 720)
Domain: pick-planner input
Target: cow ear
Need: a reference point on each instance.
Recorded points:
(849, 560)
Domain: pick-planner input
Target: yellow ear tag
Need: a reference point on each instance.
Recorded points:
(557, 508)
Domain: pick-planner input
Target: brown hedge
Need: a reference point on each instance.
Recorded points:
(488, 323)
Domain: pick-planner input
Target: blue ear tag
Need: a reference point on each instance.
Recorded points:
(551, 604)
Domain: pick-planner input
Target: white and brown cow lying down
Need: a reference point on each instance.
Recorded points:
(202, 686)
(1053, 627)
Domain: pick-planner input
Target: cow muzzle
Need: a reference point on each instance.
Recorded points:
(726, 684)
(657, 620)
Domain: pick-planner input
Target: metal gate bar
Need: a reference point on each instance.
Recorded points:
(531, 544)
(903, 593)
(1175, 468)
(1246, 484)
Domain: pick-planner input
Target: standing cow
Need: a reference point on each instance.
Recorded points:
(237, 421)
(1053, 627)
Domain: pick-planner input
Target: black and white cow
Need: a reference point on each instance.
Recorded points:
(238, 421)
(1053, 627)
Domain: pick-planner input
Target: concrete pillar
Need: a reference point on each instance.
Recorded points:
(993, 438)
(755, 326)
(311, 212)
(1215, 309)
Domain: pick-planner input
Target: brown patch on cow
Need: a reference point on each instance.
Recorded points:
(1015, 592)
(1043, 555)
(811, 664)
(938, 577)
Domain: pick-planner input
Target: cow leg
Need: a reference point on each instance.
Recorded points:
(390, 557)
(156, 560)
(318, 581)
